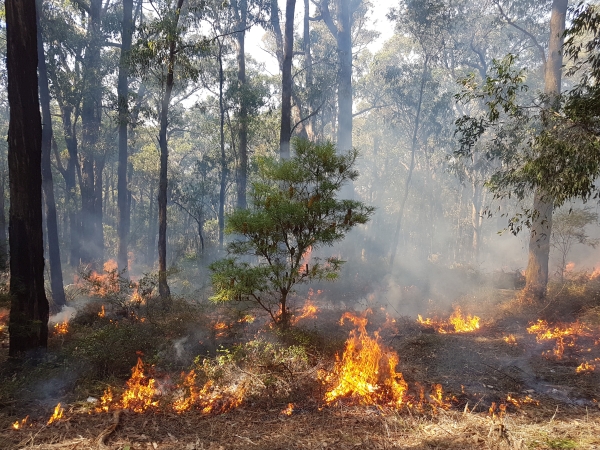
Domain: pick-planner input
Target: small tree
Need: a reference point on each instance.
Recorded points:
(293, 209)
(569, 229)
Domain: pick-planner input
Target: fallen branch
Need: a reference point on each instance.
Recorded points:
(101, 440)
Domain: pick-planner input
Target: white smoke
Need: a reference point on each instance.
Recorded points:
(65, 315)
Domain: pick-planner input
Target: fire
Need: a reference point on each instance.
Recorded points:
(20, 424)
(289, 410)
(456, 323)
(585, 367)
(106, 283)
(518, 402)
(209, 399)
(61, 328)
(141, 390)
(510, 339)
(58, 413)
(366, 372)
(102, 312)
(564, 334)
(308, 311)
(220, 329)
(136, 298)
(106, 400)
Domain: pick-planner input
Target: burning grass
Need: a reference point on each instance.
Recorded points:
(456, 323)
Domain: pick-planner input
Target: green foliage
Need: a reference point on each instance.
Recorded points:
(293, 209)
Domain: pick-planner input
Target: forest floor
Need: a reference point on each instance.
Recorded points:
(504, 387)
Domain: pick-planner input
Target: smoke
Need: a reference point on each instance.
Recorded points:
(65, 315)
(178, 345)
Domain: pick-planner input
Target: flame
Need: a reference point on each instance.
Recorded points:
(306, 257)
(102, 312)
(58, 413)
(366, 372)
(248, 318)
(518, 402)
(563, 334)
(141, 391)
(585, 367)
(106, 400)
(20, 424)
(289, 410)
(208, 399)
(136, 298)
(308, 311)
(61, 328)
(102, 285)
(510, 339)
(456, 323)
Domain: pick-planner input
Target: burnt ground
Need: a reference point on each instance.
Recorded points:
(475, 369)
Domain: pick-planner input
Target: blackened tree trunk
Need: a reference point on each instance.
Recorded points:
(163, 287)
(285, 133)
(241, 12)
(56, 278)
(536, 274)
(3, 239)
(28, 323)
(123, 193)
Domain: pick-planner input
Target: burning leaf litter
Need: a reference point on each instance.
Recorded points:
(17, 425)
(456, 323)
(57, 415)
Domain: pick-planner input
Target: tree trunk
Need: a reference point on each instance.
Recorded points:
(223, 186)
(476, 219)
(344, 44)
(3, 239)
(163, 287)
(123, 193)
(412, 164)
(285, 133)
(536, 274)
(28, 322)
(309, 127)
(151, 229)
(242, 175)
(91, 110)
(56, 278)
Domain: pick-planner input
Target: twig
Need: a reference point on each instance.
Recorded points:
(554, 415)
(109, 430)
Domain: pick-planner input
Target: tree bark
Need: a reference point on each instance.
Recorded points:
(3, 239)
(536, 274)
(28, 322)
(308, 69)
(56, 278)
(92, 247)
(223, 186)
(123, 192)
(285, 133)
(241, 8)
(163, 287)
(412, 164)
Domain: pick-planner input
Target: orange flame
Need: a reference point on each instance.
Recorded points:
(366, 372)
(102, 313)
(289, 410)
(308, 311)
(61, 328)
(561, 333)
(58, 413)
(141, 391)
(585, 367)
(510, 339)
(456, 323)
(20, 424)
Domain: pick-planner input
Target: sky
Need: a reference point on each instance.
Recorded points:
(378, 22)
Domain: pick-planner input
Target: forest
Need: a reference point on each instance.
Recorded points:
(317, 224)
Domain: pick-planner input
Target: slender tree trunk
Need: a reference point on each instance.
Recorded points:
(163, 287)
(285, 133)
(536, 274)
(344, 44)
(242, 173)
(476, 219)
(28, 322)
(123, 192)
(3, 239)
(308, 69)
(412, 164)
(151, 229)
(223, 186)
(56, 278)
(91, 253)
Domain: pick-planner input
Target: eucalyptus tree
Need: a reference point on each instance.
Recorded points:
(56, 277)
(165, 47)
(29, 311)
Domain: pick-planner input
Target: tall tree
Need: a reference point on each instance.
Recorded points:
(543, 204)
(285, 133)
(56, 278)
(123, 193)
(28, 322)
